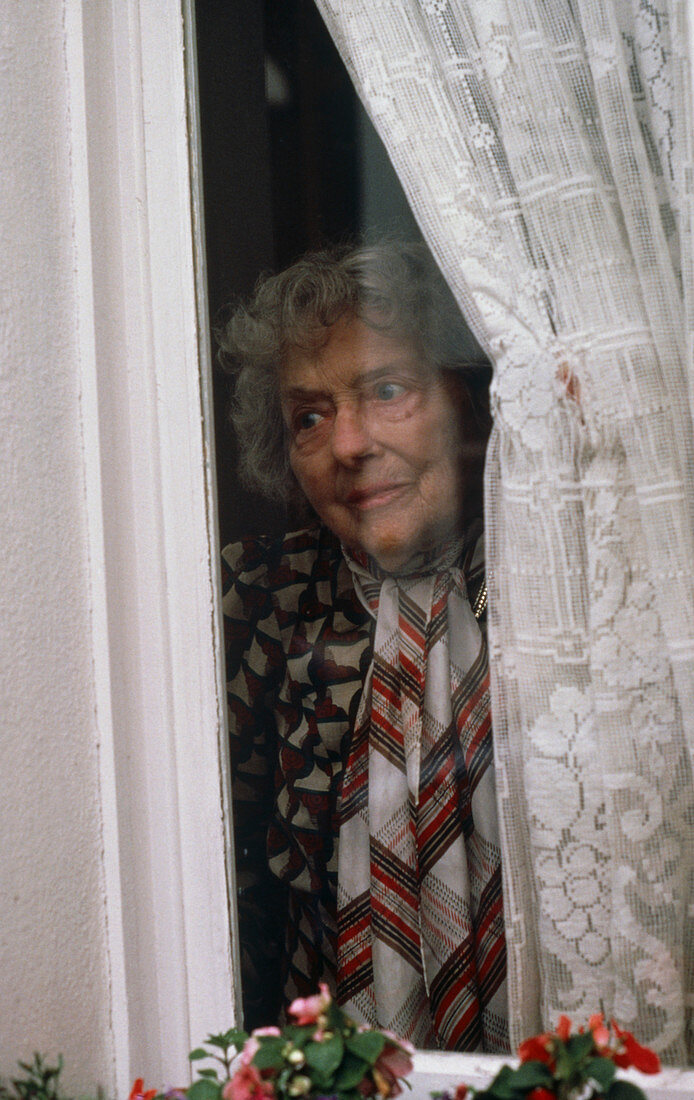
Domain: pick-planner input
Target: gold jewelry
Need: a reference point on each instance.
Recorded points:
(479, 604)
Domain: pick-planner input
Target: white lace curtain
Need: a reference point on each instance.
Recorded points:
(545, 148)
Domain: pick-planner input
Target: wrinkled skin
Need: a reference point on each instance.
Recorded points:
(375, 442)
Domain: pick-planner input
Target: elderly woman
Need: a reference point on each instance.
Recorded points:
(358, 684)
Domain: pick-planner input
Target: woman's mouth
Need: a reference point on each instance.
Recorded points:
(375, 496)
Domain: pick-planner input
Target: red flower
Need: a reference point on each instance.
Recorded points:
(563, 1028)
(538, 1049)
(634, 1054)
(460, 1093)
(138, 1091)
(541, 1094)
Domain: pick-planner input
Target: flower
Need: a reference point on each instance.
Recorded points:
(251, 1045)
(247, 1084)
(309, 1010)
(537, 1049)
(393, 1062)
(249, 1050)
(373, 1062)
(601, 1034)
(137, 1092)
(543, 1048)
(633, 1054)
(564, 1028)
(461, 1093)
(571, 1066)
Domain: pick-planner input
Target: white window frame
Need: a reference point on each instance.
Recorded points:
(149, 473)
(150, 486)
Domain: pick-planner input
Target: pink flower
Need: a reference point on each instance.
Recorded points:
(308, 1010)
(251, 1045)
(249, 1049)
(247, 1084)
(601, 1035)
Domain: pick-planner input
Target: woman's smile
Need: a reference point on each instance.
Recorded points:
(375, 496)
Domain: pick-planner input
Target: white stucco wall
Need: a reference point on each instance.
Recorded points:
(53, 961)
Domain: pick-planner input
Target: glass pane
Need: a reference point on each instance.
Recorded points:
(372, 460)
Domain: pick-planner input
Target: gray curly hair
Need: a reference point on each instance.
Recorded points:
(394, 287)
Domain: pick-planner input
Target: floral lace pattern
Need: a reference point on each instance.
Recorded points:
(546, 151)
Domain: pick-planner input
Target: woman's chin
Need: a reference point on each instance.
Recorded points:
(393, 535)
(393, 547)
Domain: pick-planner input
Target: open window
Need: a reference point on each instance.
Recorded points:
(153, 537)
(292, 164)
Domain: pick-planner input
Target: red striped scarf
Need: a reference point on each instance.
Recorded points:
(421, 946)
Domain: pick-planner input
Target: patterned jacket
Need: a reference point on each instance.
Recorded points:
(299, 645)
(298, 648)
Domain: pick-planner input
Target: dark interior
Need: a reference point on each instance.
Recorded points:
(290, 163)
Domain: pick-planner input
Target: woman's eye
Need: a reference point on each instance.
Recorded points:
(387, 391)
(308, 419)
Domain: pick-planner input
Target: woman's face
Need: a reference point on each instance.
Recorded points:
(374, 442)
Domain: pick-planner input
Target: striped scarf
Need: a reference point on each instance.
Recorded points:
(421, 946)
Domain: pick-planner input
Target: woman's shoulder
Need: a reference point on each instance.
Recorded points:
(276, 563)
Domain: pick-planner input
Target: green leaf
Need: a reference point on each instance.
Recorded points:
(502, 1087)
(269, 1054)
(624, 1090)
(563, 1061)
(211, 1073)
(336, 1019)
(350, 1073)
(579, 1046)
(601, 1070)
(234, 1037)
(366, 1044)
(299, 1036)
(321, 1085)
(204, 1089)
(196, 1054)
(325, 1056)
(531, 1075)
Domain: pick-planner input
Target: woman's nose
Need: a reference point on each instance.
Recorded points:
(351, 435)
